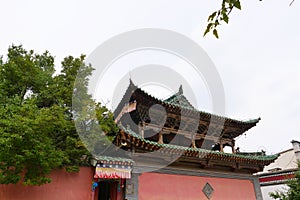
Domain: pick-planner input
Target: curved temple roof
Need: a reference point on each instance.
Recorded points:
(195, 152)
(178, 104)
(136, 104)
(253, 162)
(180, 100)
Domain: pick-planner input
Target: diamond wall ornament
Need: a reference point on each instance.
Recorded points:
(208, 190)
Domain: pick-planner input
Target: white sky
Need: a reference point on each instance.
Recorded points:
(257, 55)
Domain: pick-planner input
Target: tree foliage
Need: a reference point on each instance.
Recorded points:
(293, 191)
(215, 19)
(37, 131)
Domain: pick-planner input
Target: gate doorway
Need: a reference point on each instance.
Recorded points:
(110, 190)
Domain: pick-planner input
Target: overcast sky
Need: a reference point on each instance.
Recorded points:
(257, 55)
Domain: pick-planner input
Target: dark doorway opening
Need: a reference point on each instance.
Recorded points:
(110, 190)
(104, 190)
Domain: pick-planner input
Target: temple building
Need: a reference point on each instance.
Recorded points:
(164, 149)
(168, 149)
(275, 176)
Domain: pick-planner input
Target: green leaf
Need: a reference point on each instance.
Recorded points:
(208, 28)
(225, 18)
(215, 32)
(237, 4)
(212, 16)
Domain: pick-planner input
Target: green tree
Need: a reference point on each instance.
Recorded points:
(293, 191)
(94, 122)
(37, 116)
(24, 144)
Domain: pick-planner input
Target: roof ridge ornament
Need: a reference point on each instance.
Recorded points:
(130, 81)
(180, 90)
(132, 85)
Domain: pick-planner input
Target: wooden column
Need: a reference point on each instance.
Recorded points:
(160, 138)
(221, 146)
(233, 146)
(193, 141)
(142, 130)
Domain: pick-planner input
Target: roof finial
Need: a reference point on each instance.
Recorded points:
(132, 85)
(180, 91)
(130, 81)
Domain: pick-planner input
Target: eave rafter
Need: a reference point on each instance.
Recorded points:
(254, 163)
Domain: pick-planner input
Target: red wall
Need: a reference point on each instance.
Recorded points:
(179, 187)
(64, 186)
